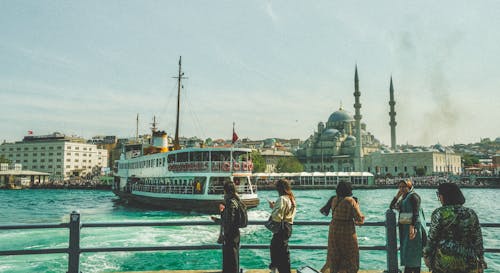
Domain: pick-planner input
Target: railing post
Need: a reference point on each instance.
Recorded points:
(74, 243)
(391, 242)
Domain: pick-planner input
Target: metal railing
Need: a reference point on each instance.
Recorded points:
(74, 250)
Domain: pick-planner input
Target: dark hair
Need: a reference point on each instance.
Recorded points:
(452, 195)
(407, 183)
(230, 188)
(284, 188)
(344, 189)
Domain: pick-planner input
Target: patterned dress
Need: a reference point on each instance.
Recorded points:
(343, 251)
(455, 241)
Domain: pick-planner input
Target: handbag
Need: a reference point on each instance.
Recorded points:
(405, 218)
(273, 226)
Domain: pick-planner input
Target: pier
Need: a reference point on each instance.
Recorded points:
(74, 250)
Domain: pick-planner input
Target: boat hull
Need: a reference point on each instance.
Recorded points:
(176, 204)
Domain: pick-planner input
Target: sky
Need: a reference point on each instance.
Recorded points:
(274, 68)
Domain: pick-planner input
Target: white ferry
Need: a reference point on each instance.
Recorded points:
(189, 179)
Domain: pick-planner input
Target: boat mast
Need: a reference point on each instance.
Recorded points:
(179, 85)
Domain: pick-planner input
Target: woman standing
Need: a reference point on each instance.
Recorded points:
(230, 230)
(343, 251)
(455, 240)
(284, 210)
(411, 230)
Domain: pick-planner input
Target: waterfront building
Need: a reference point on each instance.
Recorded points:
(272, 156)
(57, 154)
(415, 162)
(12, 176)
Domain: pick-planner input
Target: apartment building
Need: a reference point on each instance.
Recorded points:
(61, 156)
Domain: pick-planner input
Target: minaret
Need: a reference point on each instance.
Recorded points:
(358, 154)
(392, 114)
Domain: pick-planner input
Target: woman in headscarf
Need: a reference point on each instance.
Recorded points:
(343, 250)
(455, 240)
(411, 229)
(284, 210)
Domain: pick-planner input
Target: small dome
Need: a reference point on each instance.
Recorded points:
(350, 138)
(329, 133)
(340, 116)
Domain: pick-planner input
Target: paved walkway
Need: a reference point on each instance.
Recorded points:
(246, 271)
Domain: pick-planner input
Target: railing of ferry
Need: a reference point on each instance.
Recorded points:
(74, 250)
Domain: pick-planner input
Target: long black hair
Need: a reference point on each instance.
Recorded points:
(230, 189)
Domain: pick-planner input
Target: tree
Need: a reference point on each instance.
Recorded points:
(259, 164)
(289, 165)
(469, 160)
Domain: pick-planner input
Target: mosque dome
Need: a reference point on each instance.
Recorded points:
(350, 138)
(329, 133)
(340, 116)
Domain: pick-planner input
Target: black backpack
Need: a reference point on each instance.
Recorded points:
(241, 215)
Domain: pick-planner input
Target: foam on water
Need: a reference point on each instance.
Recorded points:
(54, 206)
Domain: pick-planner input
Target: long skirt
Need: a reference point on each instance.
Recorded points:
(343, 250)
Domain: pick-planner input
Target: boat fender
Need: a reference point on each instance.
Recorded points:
(226, 166)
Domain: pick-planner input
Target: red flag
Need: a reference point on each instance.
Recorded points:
(30, 132)
(235, 136)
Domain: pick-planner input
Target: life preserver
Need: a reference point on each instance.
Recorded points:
(244, 166)
(226, 166)
(250, 166)
(236, 166)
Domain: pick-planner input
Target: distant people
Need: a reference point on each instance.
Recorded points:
(455, 242)
(197, 186)
(284, 210)
(411, 230)
(343, 250)
(230, 236)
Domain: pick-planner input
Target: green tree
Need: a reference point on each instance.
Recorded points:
(259, 164)
(289, 165)
(469, 160)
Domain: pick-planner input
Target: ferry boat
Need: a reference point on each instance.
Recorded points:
(189, 179)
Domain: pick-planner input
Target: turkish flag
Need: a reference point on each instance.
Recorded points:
(235, 136)
(30, 132)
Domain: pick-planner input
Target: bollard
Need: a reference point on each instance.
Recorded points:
(391, 242)
(74, 243)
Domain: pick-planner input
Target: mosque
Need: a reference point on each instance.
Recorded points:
(343, 144)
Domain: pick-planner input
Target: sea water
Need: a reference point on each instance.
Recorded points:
(54, 206)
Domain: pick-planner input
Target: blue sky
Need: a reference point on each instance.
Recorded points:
(275, 68)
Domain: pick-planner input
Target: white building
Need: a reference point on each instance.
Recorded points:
(56, 154)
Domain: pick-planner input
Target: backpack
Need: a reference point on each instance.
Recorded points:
(241, 214)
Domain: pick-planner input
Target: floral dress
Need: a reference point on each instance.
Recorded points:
(455, 241)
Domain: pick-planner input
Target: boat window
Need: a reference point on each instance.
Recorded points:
(182, 157)
(217, 185)
(171, 158)
(221, 155)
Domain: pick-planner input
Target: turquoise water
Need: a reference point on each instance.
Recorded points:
(54, 206)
